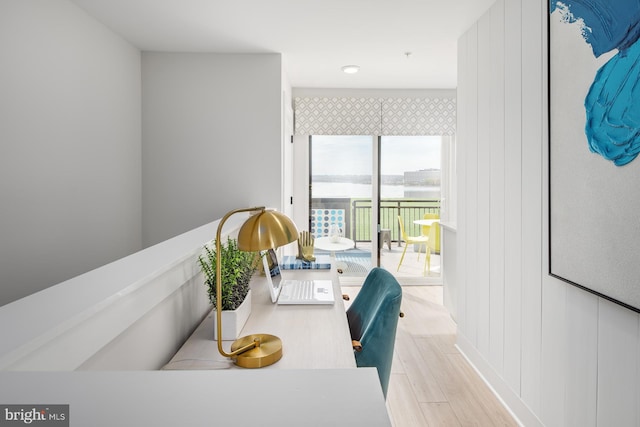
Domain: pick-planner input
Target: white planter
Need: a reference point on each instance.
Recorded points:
(233, 321)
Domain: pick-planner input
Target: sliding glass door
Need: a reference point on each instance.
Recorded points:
(366, 187)
(341, 189)
(410, 194)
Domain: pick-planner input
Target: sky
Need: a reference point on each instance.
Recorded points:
(351, 155)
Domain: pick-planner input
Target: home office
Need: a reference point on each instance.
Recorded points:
(81, 352)
(134, 312)
(74, 172)
(111, 311)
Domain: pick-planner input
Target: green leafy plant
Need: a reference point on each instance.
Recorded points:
(236, 270)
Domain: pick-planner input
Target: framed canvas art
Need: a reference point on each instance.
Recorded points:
(594, 141)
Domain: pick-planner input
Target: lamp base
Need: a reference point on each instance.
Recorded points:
(267, 352)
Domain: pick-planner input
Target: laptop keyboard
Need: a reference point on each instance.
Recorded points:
(303, 290)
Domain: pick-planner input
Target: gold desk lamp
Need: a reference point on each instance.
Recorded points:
(264, 230)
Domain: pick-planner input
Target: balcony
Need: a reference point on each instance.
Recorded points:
(353, 215)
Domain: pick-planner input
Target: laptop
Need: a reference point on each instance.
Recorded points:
(288, 291)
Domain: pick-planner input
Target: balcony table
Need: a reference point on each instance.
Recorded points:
(426, 221)
(326, 243)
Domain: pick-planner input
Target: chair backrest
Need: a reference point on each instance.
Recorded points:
(373, 320)
(434, 237)
(402, 232)
(425, 228)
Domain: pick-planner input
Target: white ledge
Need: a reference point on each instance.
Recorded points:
(62, 326)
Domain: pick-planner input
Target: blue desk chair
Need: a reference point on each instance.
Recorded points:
(373, 320)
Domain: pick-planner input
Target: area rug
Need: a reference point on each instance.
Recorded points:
(354, 264)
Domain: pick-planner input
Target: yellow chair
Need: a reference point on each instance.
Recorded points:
(411, 240)
(425, 228)
(433, 244)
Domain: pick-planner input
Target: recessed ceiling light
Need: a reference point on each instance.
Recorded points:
(350, 69)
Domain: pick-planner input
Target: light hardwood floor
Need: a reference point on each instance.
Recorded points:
(431, 382)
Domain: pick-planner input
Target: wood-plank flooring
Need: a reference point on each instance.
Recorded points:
(431, 382)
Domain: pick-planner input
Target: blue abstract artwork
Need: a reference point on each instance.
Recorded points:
(594, 142)
(612, 104)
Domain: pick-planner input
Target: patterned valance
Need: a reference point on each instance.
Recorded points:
(419, 116)
(375, 116)
(337, 116)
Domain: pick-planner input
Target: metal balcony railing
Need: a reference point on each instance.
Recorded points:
(357, 215)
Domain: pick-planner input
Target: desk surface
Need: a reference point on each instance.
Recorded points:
(242, 398)
(313, 336)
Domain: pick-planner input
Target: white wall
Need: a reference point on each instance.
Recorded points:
(211, 138)
(70, 171)
(556, 355)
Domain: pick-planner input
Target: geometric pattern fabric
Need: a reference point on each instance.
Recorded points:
(337, 116)
(419, 116)
(375, 116)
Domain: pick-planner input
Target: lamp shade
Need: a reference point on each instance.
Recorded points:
(266, 230)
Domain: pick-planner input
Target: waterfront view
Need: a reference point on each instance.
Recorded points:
(341, 167)
(357, 190)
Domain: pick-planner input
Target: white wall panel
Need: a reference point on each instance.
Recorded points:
(513, 194)
(497, 193)
(553, 343)
(471, 201)
(617, 366)
(532, 200)
(581, 357)
(483, 214)
(554, 324)
(461, 169)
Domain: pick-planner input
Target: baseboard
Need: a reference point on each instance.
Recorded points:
(510, 400)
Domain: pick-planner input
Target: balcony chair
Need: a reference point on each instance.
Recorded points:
(373, 321)
(435, 248)
(411, 240)
(433, 244)
(425, 228)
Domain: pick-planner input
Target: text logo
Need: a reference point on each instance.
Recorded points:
(34, 415)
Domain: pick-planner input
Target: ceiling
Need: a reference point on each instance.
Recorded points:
(315, 37)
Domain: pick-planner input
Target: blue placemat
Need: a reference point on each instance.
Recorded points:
(290, 262)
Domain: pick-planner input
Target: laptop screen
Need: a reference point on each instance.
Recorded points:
(272, 271)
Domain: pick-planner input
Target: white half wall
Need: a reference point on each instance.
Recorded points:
(211, 139)
(70, 124)
(556, 355)
(131, 314)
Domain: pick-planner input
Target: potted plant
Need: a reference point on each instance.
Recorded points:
(237, 268)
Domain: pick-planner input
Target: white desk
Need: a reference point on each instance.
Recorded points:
(241, 398)
(313, 336)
